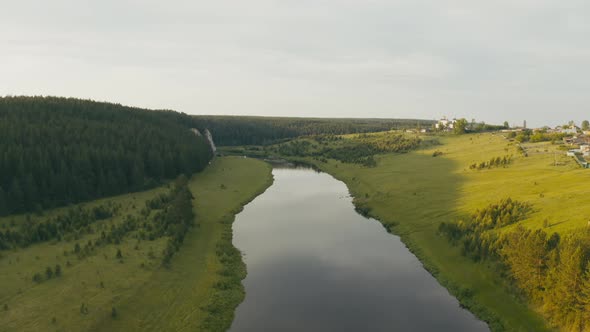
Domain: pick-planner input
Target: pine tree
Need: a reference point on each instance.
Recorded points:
(3, 203)
(114, 313)
(17, 197)
(524, 253)
(585, 298)
(37, 278)
(568, 286)
(98, 149)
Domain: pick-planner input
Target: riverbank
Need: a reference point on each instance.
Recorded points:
(121, 285)
(320, 266)
(412, 193)
(203, 286)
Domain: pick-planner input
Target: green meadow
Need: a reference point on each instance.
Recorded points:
(412, 193)
(104, 291)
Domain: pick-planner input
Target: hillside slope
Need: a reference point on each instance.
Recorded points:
(114, 274)
(58, 151)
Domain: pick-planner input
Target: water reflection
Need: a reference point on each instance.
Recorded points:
(314, 264)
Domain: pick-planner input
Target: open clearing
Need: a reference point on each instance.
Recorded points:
(145, 295)
(414, 192)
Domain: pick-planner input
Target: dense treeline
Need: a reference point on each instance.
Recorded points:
(552, 272)
(169, 215)
(359, 149)
(250, 130)
(528, 135)
(70, 224)
(471, 234)
(484, 127)
(57, 151)
(176, 218)
(492, 163)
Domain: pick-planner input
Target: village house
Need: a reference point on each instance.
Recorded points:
(512, 130)
(445, 124)
(582, 151)
(577, 140)
(571, 130)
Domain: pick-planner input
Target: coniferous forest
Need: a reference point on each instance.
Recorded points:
(549, 271)
(58, 151)
(256, 130)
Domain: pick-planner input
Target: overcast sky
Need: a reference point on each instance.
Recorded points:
(489, 60)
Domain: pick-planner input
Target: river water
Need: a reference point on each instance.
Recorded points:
(314, 264)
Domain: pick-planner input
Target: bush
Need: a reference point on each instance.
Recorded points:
(437, 153)
(49, 272)
(37, 277)
(114, 313)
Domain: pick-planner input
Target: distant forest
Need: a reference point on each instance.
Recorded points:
(252, 130)
(57, 151)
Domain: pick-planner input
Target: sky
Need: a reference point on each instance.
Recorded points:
(493, 61)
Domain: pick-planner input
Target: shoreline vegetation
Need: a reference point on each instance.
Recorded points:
(203, 287)
(412, 194)
(141, 263)
(500, 219)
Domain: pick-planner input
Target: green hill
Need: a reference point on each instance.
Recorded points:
(59, 151)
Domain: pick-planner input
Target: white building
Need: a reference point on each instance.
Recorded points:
(445, 124)
(568, 130)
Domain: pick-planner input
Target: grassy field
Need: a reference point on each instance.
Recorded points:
(185, 297)
(413, 193)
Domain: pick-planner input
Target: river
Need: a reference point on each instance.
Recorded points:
(314, 264)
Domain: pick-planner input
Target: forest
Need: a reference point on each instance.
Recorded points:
(253, 130)
(60, 151)
(355, 149)
(528, 135)
(548, 270)
(167, 215)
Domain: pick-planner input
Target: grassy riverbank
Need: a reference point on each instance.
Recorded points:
(199, 291)
(413, 193)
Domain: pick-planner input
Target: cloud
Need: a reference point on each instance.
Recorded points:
(493, 61)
